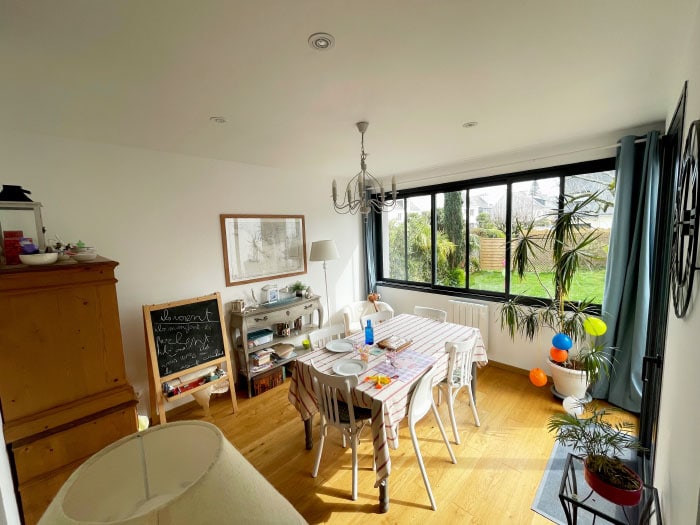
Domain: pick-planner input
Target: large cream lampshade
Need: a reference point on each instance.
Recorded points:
(175, 473)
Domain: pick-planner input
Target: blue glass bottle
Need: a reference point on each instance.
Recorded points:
(369, 333)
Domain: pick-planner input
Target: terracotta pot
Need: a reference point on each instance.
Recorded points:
(611, 493)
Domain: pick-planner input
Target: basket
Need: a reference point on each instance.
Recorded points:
(268, 380)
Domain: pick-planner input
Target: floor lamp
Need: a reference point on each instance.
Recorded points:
(324, 251)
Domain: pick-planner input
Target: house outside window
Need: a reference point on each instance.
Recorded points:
(455, 238)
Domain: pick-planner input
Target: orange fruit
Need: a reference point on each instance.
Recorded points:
(558, 355)
(538, 377)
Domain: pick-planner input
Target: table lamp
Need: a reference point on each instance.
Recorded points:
(184, 473)
(324, 251)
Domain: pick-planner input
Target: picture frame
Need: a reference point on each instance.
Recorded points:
(262, 247)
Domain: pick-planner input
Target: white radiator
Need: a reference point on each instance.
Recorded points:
(472, 314)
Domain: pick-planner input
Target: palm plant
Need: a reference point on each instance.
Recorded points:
(600, 442)
(568, 241)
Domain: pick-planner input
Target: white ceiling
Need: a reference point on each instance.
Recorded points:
(150, 73)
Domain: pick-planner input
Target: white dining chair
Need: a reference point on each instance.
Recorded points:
(354, 311)
(459, 374)
(331, 391)
(421, 403)
(376, 317)
(430, 313)
(319, 338)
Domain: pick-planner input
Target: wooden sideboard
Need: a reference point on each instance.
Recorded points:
(63, 388)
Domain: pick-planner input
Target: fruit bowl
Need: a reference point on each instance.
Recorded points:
(35, 259)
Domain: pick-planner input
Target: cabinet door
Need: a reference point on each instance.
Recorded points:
(57, 345)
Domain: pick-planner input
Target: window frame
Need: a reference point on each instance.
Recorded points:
(507, 179)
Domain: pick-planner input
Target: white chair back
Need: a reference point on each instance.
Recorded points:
(376, 318)
(331, 393)
(459, 367)
(430, 313)
(421, 399)
(354, 311)
(319, 338)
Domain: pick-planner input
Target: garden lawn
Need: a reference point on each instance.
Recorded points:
(588, 284)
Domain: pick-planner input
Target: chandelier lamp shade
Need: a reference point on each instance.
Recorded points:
(357, 197)
(324, 251)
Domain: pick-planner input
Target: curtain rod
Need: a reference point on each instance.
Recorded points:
(505, 165)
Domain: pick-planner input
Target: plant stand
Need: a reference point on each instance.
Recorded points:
(576, 496)
(586, 399)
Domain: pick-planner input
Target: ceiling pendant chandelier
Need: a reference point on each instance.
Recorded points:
(358, 196)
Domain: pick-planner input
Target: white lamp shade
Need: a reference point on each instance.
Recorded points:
(176, 473)
(323, 251)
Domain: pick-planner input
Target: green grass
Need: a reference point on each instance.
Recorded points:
(587, 285)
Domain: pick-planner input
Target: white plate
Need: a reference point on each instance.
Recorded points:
(339, 345)
(349, 367)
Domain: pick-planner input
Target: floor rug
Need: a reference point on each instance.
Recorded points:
(547, 501)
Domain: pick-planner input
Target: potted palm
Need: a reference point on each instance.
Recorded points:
(577, 358)
(601, 444)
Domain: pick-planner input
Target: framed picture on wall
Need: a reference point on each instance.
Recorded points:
(260, 247)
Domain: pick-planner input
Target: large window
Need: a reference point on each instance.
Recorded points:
(456, 238)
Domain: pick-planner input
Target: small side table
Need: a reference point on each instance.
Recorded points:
(577, 496)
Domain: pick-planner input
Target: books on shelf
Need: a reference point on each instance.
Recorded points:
(261, 357)
(256, 369)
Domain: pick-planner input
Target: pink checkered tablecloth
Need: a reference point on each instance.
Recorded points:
(389, 404)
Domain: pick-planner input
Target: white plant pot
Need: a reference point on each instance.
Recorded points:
(568, 382)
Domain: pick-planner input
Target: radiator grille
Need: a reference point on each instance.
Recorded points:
(472, 314)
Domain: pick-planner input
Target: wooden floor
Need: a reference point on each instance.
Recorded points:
(499, 465)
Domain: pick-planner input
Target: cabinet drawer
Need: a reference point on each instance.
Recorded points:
(263, 319)
(53, 451)
(37, 496)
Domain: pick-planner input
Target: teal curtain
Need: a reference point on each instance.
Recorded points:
(628, 276)
(370, 255)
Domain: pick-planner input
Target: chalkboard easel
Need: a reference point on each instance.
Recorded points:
(184, 337)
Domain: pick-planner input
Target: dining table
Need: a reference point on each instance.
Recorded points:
(424, 350)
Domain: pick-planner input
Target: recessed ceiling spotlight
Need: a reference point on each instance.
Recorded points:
(470, 124)
(321, 41)
(218, 120)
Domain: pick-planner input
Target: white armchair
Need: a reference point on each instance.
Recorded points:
(354, 311)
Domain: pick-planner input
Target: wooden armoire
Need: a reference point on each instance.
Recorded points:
(63, 388)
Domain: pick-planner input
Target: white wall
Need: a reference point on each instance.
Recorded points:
(677, 467)
(157, 214)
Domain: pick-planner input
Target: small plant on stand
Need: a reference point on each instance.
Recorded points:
(601, 443)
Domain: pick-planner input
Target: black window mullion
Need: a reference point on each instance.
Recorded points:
(405, 239)
(509, 235)
(467, 243)
(433, 239)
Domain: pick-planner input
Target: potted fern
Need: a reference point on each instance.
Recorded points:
(601, 443)
(298, 288)
(577, 358)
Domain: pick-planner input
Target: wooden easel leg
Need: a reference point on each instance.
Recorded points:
(232, 390)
